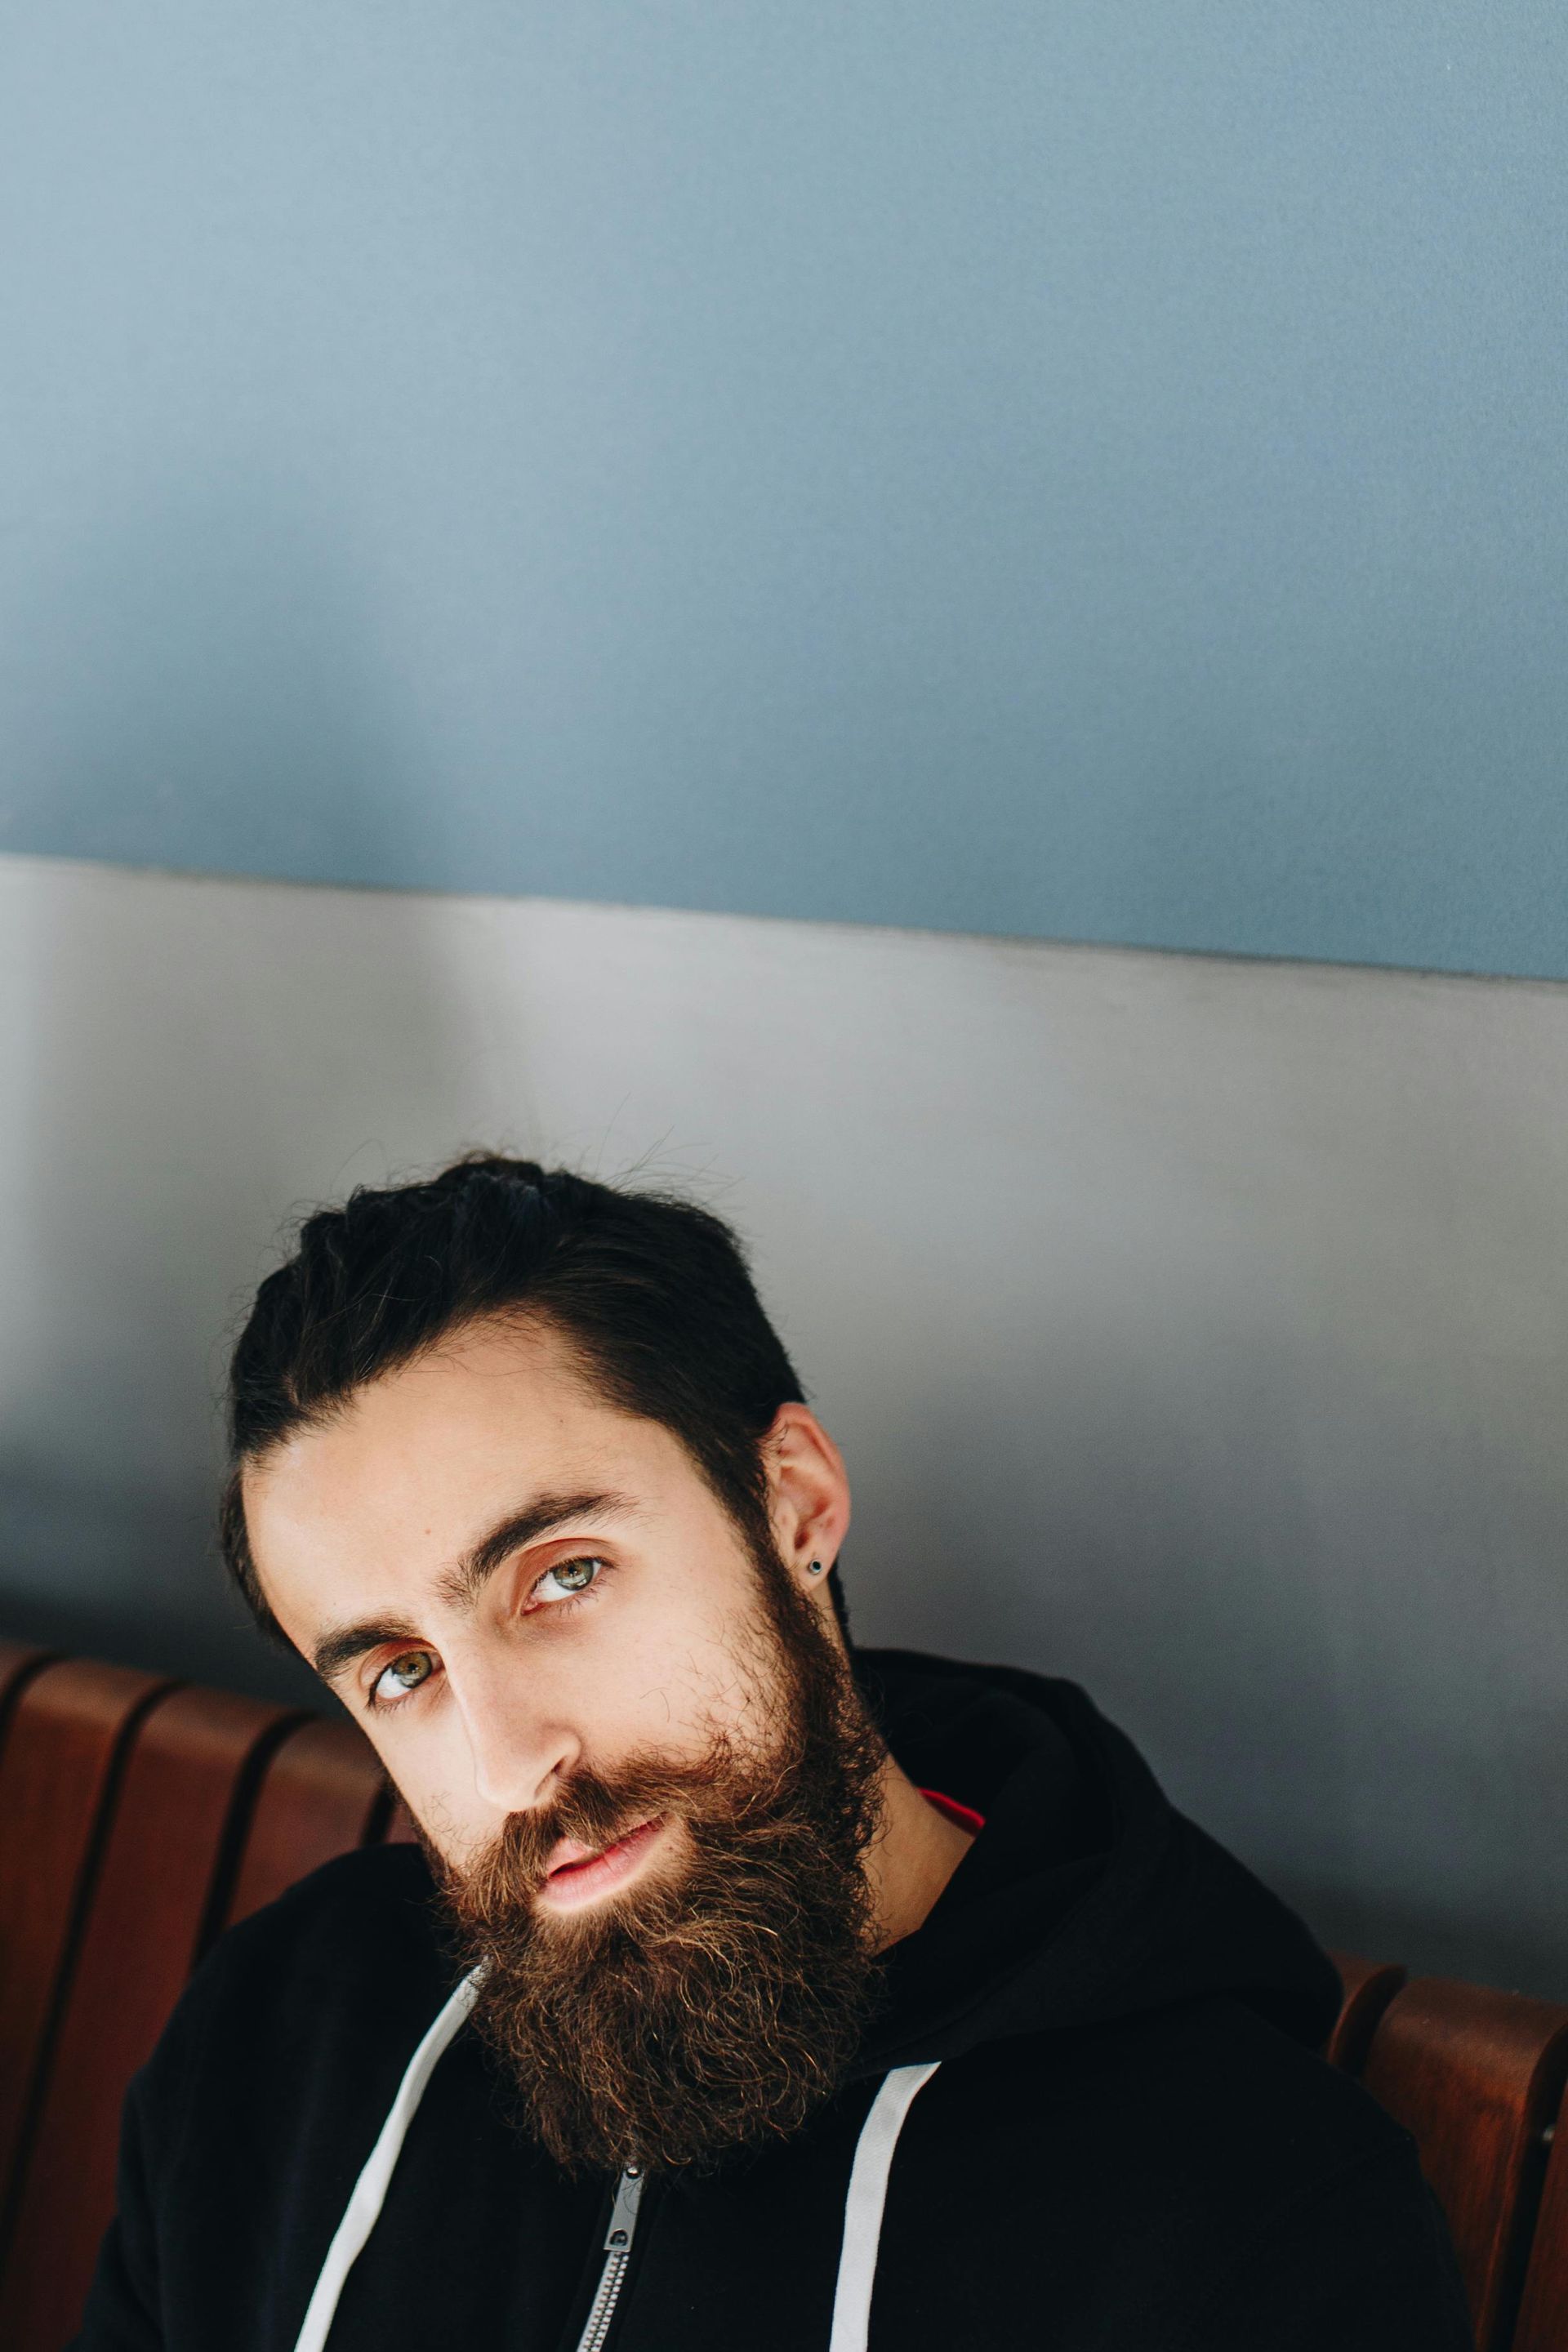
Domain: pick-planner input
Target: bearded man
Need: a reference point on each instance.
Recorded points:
(746, 1989)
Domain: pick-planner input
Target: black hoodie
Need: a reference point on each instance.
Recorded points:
(1129, 2146)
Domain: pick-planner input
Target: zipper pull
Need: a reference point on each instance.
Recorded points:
(623, 2211)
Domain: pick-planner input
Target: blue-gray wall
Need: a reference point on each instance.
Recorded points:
(1092, 470)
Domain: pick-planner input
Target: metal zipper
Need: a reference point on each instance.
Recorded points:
(618, 2253)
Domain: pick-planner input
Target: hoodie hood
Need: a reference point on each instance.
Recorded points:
(1086, 1897)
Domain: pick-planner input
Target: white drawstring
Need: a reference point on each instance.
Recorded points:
(868, 2191)
(363, 2207)
(863, 2205)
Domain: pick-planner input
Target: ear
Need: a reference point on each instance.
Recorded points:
(808, 1497)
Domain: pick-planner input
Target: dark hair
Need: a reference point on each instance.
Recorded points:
(652, 1292)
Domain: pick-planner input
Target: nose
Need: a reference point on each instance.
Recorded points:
(520, 1753)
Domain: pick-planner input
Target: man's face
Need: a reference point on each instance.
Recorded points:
(634, 1748)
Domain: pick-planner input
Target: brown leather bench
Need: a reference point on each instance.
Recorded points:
(140, 1817)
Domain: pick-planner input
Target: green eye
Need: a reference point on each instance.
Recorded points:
(404, 1674)
(567, 1576)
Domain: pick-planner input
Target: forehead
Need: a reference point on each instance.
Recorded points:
(419, 1464)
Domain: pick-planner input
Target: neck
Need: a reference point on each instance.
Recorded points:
(913, 1854)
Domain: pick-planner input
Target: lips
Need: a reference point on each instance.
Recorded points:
(570, 1854)
(576, 1873)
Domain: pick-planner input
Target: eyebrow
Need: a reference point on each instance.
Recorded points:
(459, 1586)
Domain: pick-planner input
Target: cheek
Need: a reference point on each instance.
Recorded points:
(432, 1771)
(681, 1672)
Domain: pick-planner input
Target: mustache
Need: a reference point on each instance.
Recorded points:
(596, 1807)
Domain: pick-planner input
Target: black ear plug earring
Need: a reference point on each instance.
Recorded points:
(815, 1569)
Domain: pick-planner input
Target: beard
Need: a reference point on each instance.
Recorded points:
(719, 2002)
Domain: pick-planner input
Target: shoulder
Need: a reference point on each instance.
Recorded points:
(1243, 2101)
(339, 1977)
(360, 1911)
(1206, 2177)
(361, 1940)
(1309, 2197)
(1201, 2118)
